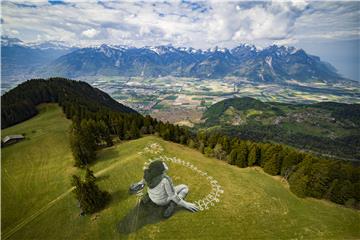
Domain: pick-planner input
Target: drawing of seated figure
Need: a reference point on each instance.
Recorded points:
(161, 191)
(158, 203)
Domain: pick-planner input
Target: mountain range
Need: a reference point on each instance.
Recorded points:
(22, 59)
(271, 64)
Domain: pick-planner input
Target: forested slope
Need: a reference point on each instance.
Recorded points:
(77, 97)
(327, 127)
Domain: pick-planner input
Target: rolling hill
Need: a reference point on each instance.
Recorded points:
(327, 127)
(37, 202)
(20, 103)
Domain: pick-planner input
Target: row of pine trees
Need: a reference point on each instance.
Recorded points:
(307, 175)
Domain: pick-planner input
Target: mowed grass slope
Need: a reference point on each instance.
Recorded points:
(35, 170)
(254, 205)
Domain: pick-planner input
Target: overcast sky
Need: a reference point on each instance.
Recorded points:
(322, 28)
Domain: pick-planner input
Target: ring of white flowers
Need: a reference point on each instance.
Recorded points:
(152, 148)
(216, 189)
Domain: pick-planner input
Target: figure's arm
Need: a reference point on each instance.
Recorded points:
(169, 188)
(135, 187)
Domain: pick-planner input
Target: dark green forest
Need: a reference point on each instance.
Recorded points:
(97, 121)
(75, 97)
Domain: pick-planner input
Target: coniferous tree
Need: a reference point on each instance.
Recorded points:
(213, 139)
(219, 153)
(103, 132)
(232, 157)
(298, 183)
(208, 151)
(319, 180)
(272, 166)
(289, 161)
(334, 192)
(91, 198)
(89, 175)
(191, 143)
(269, 152)
(226, 145)
(346, 191)
(254, 155)
(134, 131)
(242, 155)
(82, 144)
(299, 180)
(201, 147)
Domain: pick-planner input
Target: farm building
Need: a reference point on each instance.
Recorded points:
(11, 139)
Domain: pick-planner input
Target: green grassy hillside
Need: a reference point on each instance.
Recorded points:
(326, 127)
(37, 202)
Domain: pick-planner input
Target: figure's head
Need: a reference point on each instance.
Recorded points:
(155, 169)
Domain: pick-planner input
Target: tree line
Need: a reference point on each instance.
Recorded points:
(307, 175)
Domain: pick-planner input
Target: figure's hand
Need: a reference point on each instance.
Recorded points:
(191, 207)
(136, 187)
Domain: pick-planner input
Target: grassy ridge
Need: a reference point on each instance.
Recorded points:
(254, 205)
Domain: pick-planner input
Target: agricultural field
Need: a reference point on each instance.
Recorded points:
(165, 97)
(37, 202)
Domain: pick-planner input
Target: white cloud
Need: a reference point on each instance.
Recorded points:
(201, 25)
(90, 33)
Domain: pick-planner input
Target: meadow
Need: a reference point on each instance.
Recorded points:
(37, 202)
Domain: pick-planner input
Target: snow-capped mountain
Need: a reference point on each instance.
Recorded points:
(274, 63)
(7, 41)
(24, 59)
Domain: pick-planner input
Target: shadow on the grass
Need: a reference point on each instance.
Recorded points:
(141, 215)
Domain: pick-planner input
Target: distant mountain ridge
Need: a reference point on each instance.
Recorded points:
(24, 59)
(271, 64)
